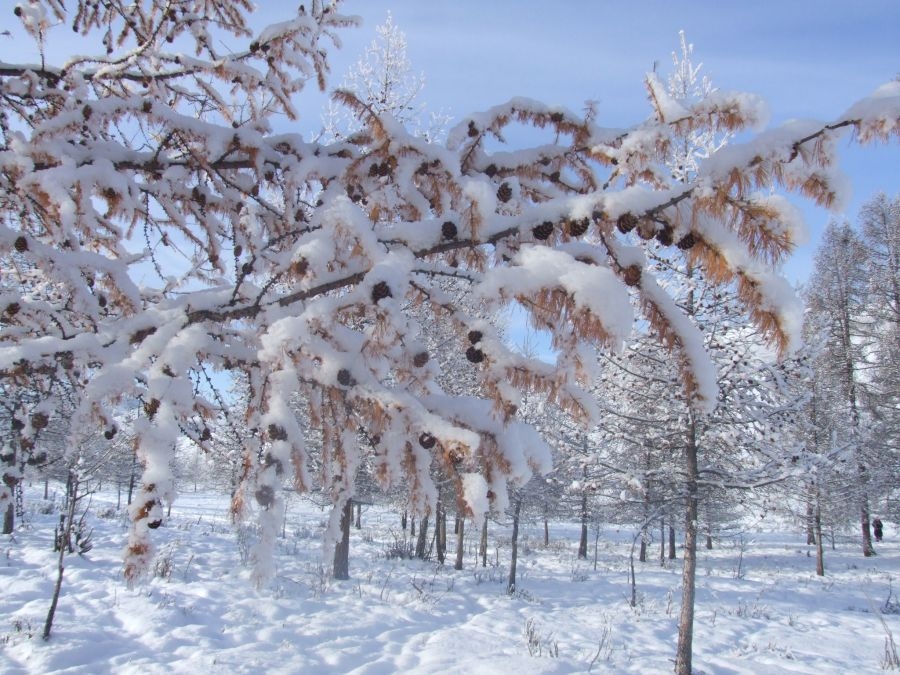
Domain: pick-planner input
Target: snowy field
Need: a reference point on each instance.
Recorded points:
(760, 607)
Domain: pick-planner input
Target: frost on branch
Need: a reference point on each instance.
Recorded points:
(160, 240)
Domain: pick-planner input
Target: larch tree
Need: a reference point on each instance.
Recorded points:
(171, 226)
(383, 78)
(880, 227)
(670, 452)
(852, 299)
(837, 296)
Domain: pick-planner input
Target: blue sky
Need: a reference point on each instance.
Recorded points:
(806, 59)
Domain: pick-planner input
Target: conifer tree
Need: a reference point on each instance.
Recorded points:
(171, 226)
(837, 296)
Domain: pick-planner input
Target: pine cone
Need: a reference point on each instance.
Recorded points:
(686, 242)
(277, 432)
(13, 308)
(420, 359)
(626, 223)
(504, 192)
(151, 407)
(578, 227)
(380, 290)
(110, 433)
(664, 236)
(646, 230)
(448, 230)
(265, 495)
(474, 355)
(475, 336)
(491, 170)
(542, 231)
(21, 244)
(344, 378)
(39, 421)
(632, 275)
(427, 441)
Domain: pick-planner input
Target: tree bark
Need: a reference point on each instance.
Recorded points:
(820, 548)
(868, 549)
(810, 523)
(460, 542)
(511, 585)
(341, 566)
(672, 542)
(662, 542)
(483, 546)
(10, 480)
(9, 518)
(583, 542)
(131, 478)
(684, 650)
(440, 533)
(422, 541)
(65, 535)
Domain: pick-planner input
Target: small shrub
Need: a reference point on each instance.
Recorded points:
(538, 644)
(400, 549)
(106, 513)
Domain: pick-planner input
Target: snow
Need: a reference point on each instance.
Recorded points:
(592, 288)
(760, 607)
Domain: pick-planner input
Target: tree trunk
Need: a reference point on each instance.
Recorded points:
(642, 555)
(868, 549)
(583, 542)
(662, 542)
(810, 523)
(684, 651)
(65, 536)
(482, 550)
(440, 533)
(403, 520)
(412, 526)
(131, 478)
(820, 549)
(422, 541)
(546, 531)
(10, 479)
(9, 518)
(511, 585)
(460, 542)
(341, 566)
(672, 542)
(358, 523)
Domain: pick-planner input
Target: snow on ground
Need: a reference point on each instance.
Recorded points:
(760, 607)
